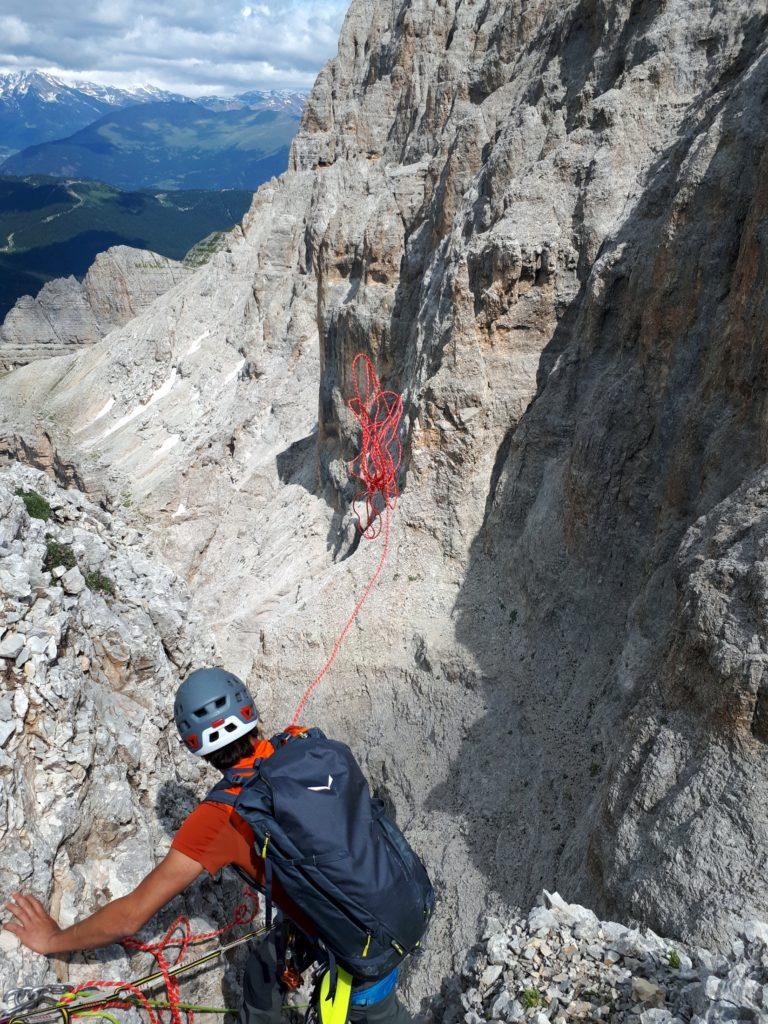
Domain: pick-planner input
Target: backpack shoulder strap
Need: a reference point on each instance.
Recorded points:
(227, 790)
(222, 794)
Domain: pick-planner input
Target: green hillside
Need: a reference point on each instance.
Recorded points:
(52, 228)
(168, 145)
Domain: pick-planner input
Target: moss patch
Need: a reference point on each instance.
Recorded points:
(100, 583)
(36, 505)
(57, 554)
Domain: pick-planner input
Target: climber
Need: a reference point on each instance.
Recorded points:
(218, 721)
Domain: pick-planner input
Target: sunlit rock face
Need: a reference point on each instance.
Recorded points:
(543, 221)
(68, 314)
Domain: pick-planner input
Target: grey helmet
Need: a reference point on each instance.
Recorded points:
(213, 708)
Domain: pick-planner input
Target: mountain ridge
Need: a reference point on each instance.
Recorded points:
(38, 107)
(167, 144)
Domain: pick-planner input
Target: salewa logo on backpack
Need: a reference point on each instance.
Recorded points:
(322, 789)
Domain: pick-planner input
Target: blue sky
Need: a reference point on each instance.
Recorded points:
(195, 46)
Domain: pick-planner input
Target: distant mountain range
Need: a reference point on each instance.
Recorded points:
(36, 107)
(52, 229)
(66, 150)
(168, 145)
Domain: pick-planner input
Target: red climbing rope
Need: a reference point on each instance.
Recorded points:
(375, 466)
(179, 935)
(378, 413)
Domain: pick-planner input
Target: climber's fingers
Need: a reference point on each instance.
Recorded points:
(18, 910)
(33, 926)
(25, 909)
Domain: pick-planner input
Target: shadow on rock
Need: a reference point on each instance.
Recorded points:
(172, 805)
(647, 421)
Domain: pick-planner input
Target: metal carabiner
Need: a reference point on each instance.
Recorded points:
(19, 1000)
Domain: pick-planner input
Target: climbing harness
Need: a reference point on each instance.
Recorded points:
(375, 467)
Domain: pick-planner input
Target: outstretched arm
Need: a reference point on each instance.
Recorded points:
(38, 931)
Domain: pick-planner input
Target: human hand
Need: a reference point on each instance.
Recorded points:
(34, 926)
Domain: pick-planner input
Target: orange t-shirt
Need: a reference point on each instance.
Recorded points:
(215, 835)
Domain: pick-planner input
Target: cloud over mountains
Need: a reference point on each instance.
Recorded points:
(195, 47)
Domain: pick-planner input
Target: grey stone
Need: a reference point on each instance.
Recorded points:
(541, 920)
(490, 976)
(756, 931)
(498, 948)
(501, 1004)
(11, 645)
(657, 1016)
(73, 582)
(648, 992)
(493, 927)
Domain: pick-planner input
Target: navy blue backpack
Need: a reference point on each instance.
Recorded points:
(335, 852)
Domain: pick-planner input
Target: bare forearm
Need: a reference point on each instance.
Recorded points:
(39, 931)
(109, 924)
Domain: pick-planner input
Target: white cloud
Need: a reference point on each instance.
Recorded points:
(14, 32)
(193, 46)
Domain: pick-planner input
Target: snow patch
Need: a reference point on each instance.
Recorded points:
(162, 391)
(197, 343)
(165, 447)
(231, 376)
(98, 416)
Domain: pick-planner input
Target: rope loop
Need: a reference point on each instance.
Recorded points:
(375, 467)
(180, 936)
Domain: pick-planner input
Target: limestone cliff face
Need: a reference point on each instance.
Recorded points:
(68, 314)
(543, 220)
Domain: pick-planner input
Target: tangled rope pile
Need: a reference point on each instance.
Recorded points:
(375, 467)
(180, 936)
(379, 413)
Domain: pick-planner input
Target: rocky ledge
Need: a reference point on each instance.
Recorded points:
(68, 314)
(94, 636)
(560, 963)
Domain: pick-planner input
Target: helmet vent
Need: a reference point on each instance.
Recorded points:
(213, 736)
(230, 727)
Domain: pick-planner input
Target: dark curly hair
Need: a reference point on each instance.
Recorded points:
(235, 751)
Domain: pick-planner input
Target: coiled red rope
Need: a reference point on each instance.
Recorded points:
(375, 467)
(180, 936)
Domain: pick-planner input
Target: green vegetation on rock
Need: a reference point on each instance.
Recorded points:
(531, 998)
(36, 505)
(57, 554)
(100, 583)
